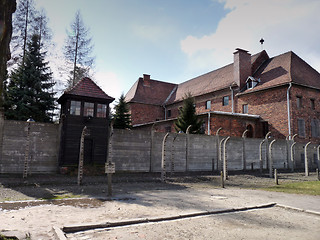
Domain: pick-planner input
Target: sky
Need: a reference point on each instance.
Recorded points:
(177, 40)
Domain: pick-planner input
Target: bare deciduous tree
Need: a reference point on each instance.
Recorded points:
(78, 48)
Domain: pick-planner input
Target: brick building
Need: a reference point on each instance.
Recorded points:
(258, 93)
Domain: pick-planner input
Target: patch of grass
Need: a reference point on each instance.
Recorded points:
(309, 188)
(2, 237)
(63, 196)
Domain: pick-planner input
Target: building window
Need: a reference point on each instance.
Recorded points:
(169, 113)
(208, 104)
(312, 104)
(299, 101)
(301, 128)
(101, 110)
(75, 108)
(315, 128)
(225, 101)
(245, 108)
(88, 109)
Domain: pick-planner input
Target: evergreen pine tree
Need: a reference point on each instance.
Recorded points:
(29, 90)
(187, 117)
(122, 118)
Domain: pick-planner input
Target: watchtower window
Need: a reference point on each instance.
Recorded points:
(88, 110)
(75, 108)
(101, 110)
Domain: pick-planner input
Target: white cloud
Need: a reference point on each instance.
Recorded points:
(285, 25)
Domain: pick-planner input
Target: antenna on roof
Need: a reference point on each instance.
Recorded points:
(261, 41)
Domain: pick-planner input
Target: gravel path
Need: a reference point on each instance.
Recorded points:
(145, 197)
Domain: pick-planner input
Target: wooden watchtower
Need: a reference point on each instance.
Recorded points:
(85, 104)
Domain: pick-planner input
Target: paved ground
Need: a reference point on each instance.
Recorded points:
(144, 196)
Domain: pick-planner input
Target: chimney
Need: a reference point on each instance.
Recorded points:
(241, 66)
(146, 80)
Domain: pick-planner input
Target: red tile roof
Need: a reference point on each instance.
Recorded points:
(213, 81)
(149, 92)
(283, 69)
(272, 72)
(87, 88)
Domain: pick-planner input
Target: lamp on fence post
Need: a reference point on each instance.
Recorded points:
(26, 158)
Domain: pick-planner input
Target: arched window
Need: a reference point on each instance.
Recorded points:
(250, 131)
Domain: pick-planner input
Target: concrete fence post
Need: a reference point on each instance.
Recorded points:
(221, 153)
(1, 136)
(244, 161)
(271, 159)
(292, 156)
(27, 151)
(260, 155)
(173, 154)
(267, 149)
(187, 147)
(81, 156)
(276, 177)
(218, 148)
(306, 162)
(225, 160)
(222, 179)
(163, 158)
(318, 156)
(152, 148)
(288, 151)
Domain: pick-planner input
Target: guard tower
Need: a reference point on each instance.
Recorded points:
(85, 104)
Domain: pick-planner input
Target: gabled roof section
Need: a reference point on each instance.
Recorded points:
(283, 69)
(149, 92)
(209, 82)
(87, 88)
(302, 73)
(214, 81)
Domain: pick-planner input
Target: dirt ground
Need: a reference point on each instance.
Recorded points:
(145, 196)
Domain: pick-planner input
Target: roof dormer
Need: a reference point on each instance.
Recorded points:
(251, 82)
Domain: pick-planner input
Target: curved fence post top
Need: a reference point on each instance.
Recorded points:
(165, 136)
(217, 133)
(272, 142)
(267, 135)
(245, 133)
(222, 140)
(188, 129)
(308, 143)
(262, 142)
(294, 136)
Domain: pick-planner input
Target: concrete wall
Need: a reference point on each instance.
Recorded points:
(43, 147)
(142, 151)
